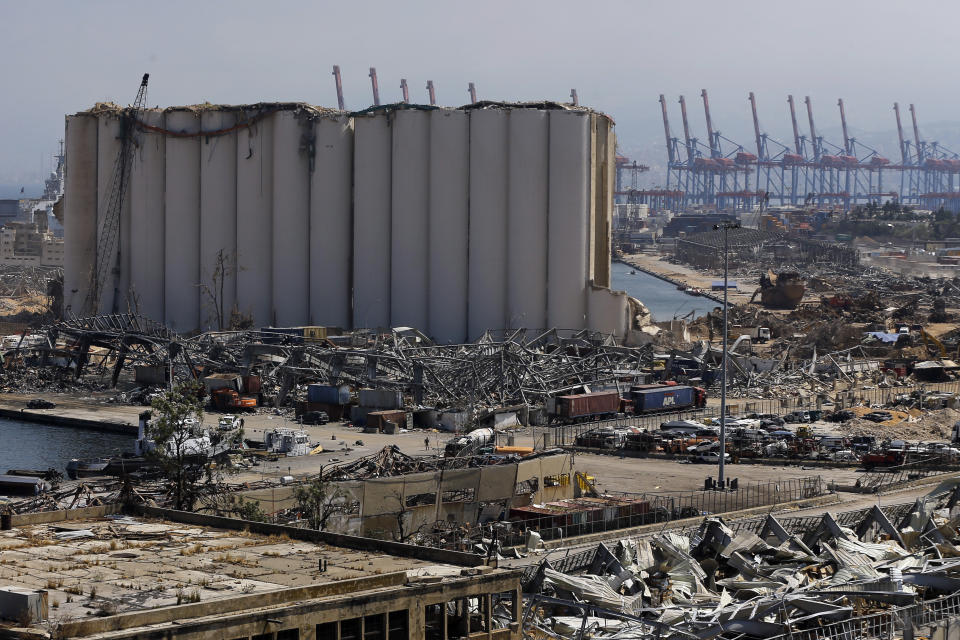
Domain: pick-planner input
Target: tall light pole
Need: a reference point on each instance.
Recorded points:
(725, 227)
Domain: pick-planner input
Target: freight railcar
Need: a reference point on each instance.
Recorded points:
(658, 398)
(584, 406)
(639, 400)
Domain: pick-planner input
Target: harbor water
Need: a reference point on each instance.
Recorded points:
(29, 445)
(663, 299)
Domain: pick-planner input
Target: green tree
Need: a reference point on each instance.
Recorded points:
(177, 441)
(249, 510)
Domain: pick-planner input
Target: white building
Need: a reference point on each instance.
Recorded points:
(453, 221)
(29, 244)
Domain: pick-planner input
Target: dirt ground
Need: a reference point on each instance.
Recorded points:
(638, 475)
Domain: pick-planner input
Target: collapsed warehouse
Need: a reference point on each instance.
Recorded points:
(873, 573)
(516, 368)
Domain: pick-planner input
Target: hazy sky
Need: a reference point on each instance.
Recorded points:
(61, 57)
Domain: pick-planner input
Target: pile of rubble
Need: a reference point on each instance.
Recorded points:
(390, 462)
(934, 425)
(801, 578)
(30, 294)
(496, 370)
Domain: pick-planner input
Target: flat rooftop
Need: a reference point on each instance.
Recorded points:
(112, 565)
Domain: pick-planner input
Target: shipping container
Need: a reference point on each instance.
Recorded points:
(336, 412)
(223, 381)
(328, 394)
(314, 334)
(379, 419)
(380, 398)
(151, 374)
(587, 405)
(251, 384)
(674, 397)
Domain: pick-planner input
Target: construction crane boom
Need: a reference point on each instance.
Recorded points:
(796, 129)
(376, 88)
(756, 127)
(714, 152)
(108, 259)
(813, 129)
(686, 129)
(666, 129)
(916, 135)
(903, 145)
(843, 125)
(339, 83)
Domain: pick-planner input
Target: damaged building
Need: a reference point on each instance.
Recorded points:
(452, 221)
(392, 495)
(100, 573)
(871, 573)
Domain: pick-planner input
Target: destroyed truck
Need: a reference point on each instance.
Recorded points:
(468, 444)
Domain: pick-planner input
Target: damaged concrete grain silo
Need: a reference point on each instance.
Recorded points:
(454, 221)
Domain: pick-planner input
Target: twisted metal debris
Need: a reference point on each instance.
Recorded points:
(874, 573)
(517, 367)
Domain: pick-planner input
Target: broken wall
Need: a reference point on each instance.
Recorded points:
(376, 507)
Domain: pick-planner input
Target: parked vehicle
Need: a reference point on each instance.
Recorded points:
(841, 416)
(315, 417)
(797, 417)
(469, 442)
(710, 457)
(229, 423)
(832, 443)
(882, 459)
(688, 427)
(863, 443)
(756, 334)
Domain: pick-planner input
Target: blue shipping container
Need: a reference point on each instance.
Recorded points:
(662, 398)
(328, 394)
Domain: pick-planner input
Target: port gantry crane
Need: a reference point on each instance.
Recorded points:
(812, 171)
(776, 177)
(628, 179)
(931, 171)
(707, 175)
(828, 178)
(722, 171)
(864, 167)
